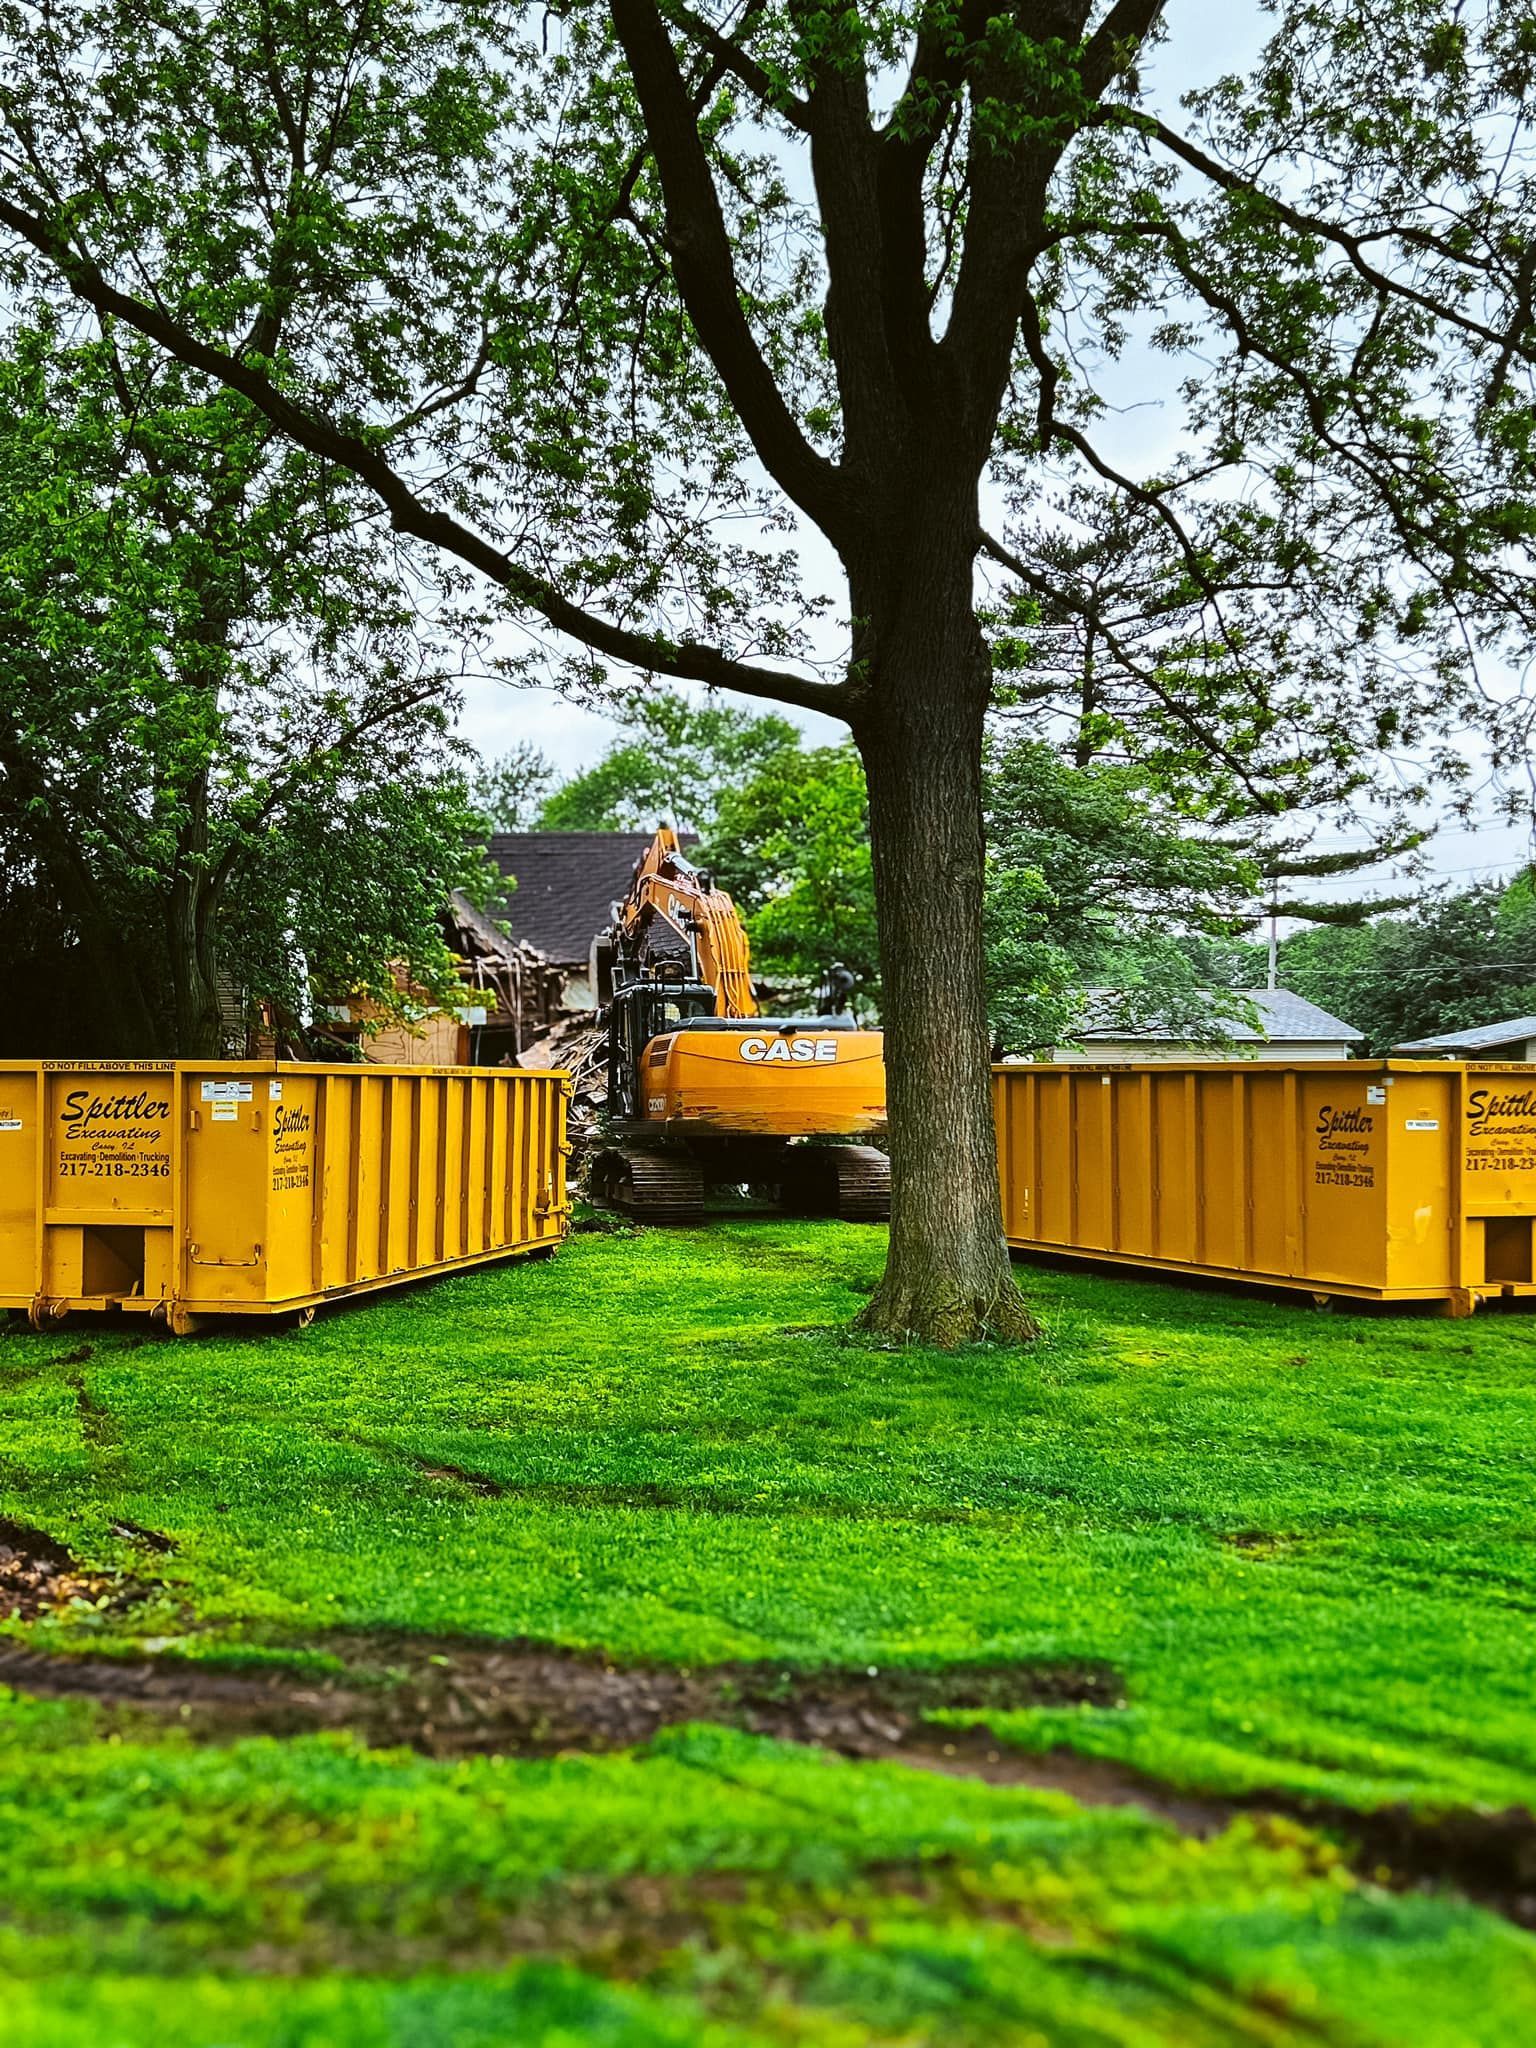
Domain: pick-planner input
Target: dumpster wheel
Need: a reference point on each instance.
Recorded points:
(176, 1317)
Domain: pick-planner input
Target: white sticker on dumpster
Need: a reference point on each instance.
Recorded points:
(225, 1112)
(1422, 1123)
(274, 1091)
(10, 1123)
(226, 1091)
(1375, 1094)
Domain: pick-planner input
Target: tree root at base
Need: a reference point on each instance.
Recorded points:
(942, 1311)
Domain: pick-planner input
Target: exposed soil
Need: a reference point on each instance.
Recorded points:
(716, 1499)
(630, 1928)
(152, 1539)
(97, 1426)
(477, 1482)
(448, 1697)
(1491, 1857)
(38, 1576)
(451, 1697)
(455, 1475)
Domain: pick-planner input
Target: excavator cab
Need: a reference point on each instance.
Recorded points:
(639, 1013)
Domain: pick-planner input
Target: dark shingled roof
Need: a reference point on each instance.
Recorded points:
(567, 884)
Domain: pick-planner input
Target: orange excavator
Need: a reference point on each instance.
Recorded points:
(704, 1092)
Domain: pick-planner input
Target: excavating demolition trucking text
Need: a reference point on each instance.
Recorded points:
(702, 1091)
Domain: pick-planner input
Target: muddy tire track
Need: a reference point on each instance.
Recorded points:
(449, 1696)
(446, 1697)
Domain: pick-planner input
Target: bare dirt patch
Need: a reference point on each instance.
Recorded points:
(460, 1475)
(39, 1576)
(443, 1472)
(1491, 1857)
(152, 1539)
(97, 1426)
(446, 1697)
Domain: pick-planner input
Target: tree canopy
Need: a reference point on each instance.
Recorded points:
(225, 771)
(1093, 875)
(1464, 958)
(509, 790)
(674, 760)
(791, 843)
(1094, 878)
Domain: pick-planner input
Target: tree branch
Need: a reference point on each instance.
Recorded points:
(1352, 243)
(1126, 26)
(247, 824)
(878, 348)
(1014, 153)
(1238, 766)
(730, 57)
(700, 251)
(408, 512)
(928, 108)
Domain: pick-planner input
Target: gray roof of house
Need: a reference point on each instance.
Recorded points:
(567, 884)
(1282, 1015)
(1475, 1040)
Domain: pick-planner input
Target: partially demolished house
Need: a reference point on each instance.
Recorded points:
(528, 996)
(514, 992)
(567, 885)
(511, 996)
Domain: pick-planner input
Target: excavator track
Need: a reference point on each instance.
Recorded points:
(653, 1187)
(850, 1181)
(863, 1183)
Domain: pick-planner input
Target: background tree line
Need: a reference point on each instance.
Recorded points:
(1102, 870)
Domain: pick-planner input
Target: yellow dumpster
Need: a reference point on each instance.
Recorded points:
(179, 1190)
(1395, 1181)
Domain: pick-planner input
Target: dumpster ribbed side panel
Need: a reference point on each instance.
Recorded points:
(423, 1169)
(1391, 1180)
(21, 1183)
(250, 1187)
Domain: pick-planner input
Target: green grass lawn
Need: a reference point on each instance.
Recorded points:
(1301, 1542)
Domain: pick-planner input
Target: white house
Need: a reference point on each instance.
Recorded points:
(1289, 1028)
(1514, 1039)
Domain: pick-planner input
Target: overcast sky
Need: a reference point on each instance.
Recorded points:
(1207, 39)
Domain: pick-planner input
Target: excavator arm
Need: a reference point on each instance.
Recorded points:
(673, 917)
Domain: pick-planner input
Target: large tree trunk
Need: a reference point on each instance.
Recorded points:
(948, 1279)
(124, 1023)
(123, 1020)
(194, 977)
(189, 937)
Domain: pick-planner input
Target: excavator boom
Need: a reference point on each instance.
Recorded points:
(673, 912)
